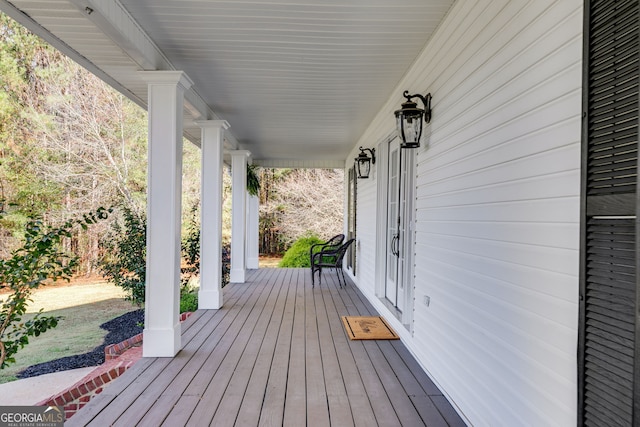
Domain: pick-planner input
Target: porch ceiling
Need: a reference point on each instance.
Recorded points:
(298, 80)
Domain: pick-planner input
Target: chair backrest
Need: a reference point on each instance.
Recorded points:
(343, 250)
(335, 240)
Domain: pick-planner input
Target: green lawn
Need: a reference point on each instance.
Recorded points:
(86, 307)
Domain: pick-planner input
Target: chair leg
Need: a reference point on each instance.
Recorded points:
(313, 284)
(338, 276)
(344, 280)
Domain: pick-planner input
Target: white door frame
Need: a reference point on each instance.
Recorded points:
(394, 288)
(382, 151)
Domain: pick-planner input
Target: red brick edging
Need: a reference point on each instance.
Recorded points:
(118, 358)
(114, 351)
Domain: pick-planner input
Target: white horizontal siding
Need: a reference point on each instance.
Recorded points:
(366, 232)
(497, 209)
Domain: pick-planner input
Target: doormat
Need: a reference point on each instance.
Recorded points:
(368, 328)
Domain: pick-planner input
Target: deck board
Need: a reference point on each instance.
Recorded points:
(173, 372)
(227, 411)
(402, 388)
(175, 390)
(384, 412)
(296, 395)
(362, 412)
(337, 397)
(276, 354)
(272, 411)
(317, 403)
(251, 405)
(230, 356)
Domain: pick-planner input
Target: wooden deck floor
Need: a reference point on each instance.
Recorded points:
(275, 354)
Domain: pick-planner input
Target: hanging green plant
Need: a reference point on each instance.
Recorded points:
(253, 182)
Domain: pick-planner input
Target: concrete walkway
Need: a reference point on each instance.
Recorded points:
(30, 391)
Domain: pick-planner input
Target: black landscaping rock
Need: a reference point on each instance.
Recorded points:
(120, 329)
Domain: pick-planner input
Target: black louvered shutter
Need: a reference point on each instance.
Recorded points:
(609, 386)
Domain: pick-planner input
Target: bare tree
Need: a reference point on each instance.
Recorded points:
(90, 142)
(93, 140)
(69, 144)
(297, 202)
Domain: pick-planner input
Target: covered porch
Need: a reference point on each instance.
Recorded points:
(275, 354)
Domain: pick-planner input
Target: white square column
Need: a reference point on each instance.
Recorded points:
(253, 206)
(238, 215)
(164, 208)
(210, 294)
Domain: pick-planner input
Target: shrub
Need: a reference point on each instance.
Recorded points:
(39, 259)
(123, 262)
(191, 254)
(298, 254)
(190, 247)
(189, 301)
(226, 263)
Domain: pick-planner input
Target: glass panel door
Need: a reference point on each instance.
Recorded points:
(393, 220)
(400, 183)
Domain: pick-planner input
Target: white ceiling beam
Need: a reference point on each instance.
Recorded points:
(33, 26)
(115, 22)
(300, 163)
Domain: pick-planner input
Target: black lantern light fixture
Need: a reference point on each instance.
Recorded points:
(409, 119)
(363, 162)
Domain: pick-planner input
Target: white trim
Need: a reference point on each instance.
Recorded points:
(212, 124)
(408, 275)
(301, 163)
(382, 159)
(166, 78)
(382, 152)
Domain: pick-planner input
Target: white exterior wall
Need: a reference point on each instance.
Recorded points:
(366, 228)
(497, 210)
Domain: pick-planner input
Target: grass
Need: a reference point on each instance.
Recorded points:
(84, 308)
(269, 261)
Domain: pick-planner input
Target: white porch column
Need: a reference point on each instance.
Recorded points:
(162, 300)
(238, 215)
(253, 206)
(210, 294)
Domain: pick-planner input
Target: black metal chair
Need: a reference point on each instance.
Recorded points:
(333, 242)
(330, 257)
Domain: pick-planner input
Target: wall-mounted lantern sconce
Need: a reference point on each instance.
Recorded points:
(409, 119)
(363, 162)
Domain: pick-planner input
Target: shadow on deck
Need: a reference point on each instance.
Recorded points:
(275, 354)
